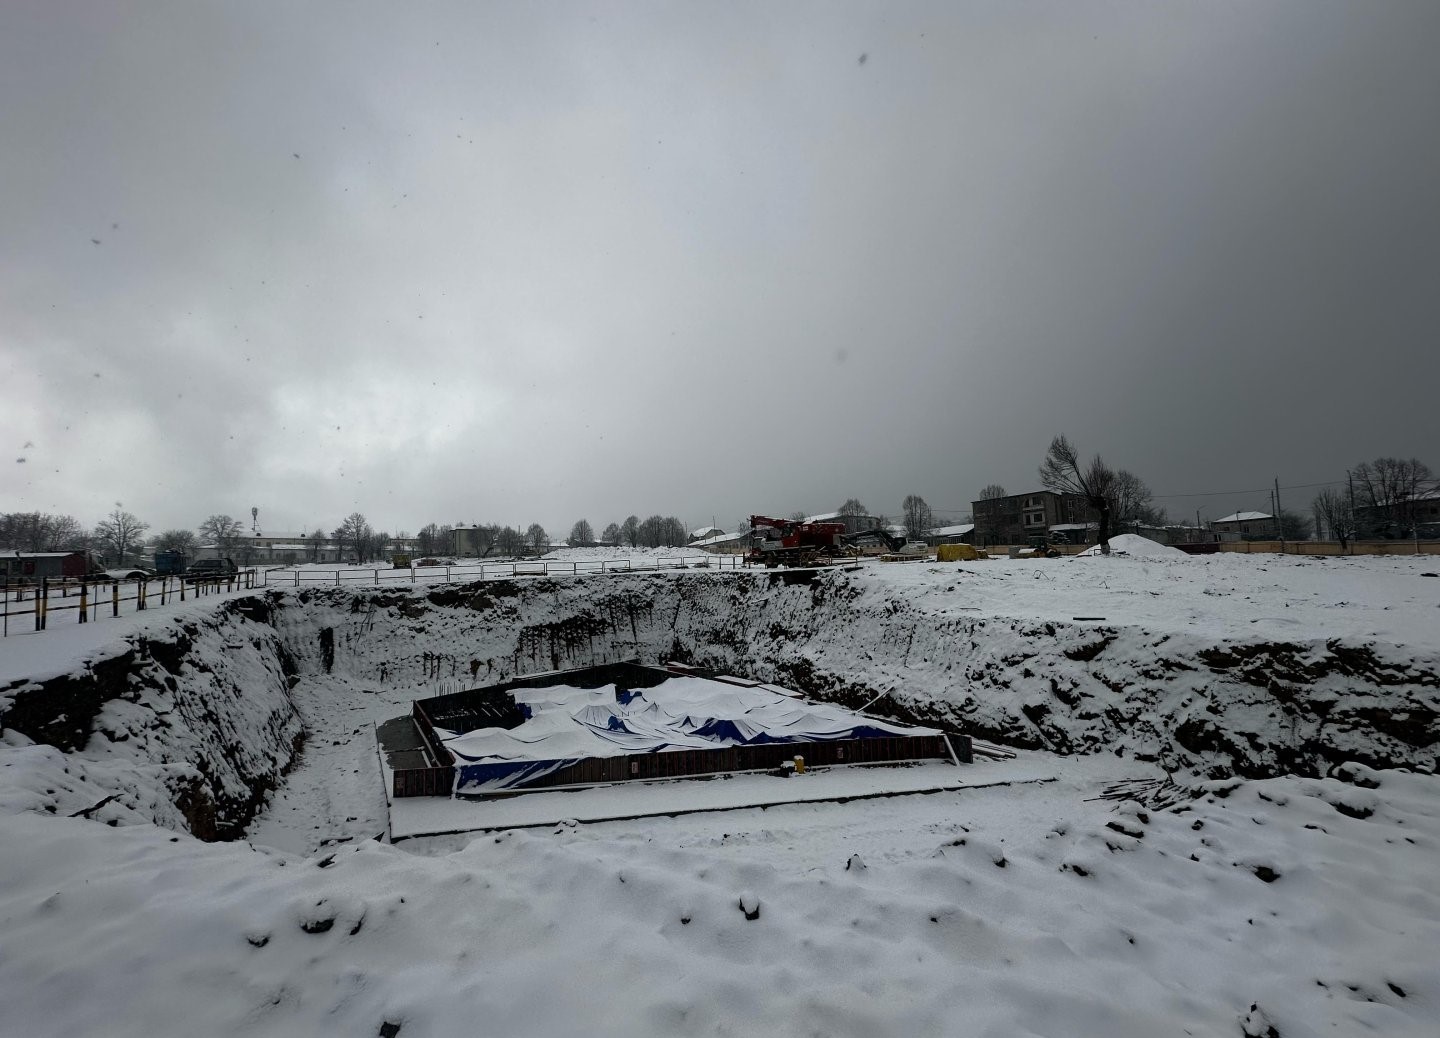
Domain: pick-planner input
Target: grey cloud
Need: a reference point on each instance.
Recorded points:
(538, 263)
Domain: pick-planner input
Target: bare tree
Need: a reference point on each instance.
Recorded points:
(537, 539)
(1130, 500)
(992, 492)
(509, 541)
(1386, 490)
(1293, 526)
(852, 506)
(611, 534)
(630, 530)
(316, 541)
(1062, 473)
(41, 531)
(427, 540)
(182, 541)
(918, 517)
(355, 534)
(582, 533)
(1333, 508)
(118, 534)
(223, 532)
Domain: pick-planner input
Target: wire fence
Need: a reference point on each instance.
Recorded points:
(29, 605)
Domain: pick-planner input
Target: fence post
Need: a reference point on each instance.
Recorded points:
(84, 618)
(297, 578)
(139, 595)
(377, 576)
(114, 598)
(181, 579)
(5, 595)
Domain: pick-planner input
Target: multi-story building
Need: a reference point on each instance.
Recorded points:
(1020, 518)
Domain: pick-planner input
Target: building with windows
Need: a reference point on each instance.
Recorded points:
(1020, 518)
(1251, 526)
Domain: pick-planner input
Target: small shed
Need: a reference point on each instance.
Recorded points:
(43, 565)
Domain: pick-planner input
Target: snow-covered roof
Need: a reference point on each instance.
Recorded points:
(952, 531)
(719, 538)
(706, 531)
(823, 517)
(41, 554)
(1245, 517)
(1075, 526)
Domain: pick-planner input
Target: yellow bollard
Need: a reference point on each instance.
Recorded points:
(799, 764)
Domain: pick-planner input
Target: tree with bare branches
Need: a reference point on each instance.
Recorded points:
(1385, 492)
(118, 534)
(581, 534)
(918, 517)
(1333, 508)
(1063, 473)
(993, 492)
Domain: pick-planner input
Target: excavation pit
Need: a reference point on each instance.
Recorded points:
(630, 723)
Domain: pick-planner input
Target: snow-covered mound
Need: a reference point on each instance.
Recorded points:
(1306, 906)
(608, 553)
(1140, 547)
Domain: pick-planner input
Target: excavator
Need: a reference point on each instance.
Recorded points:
(795, 542)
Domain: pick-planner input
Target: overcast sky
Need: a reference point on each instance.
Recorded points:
(524, 262)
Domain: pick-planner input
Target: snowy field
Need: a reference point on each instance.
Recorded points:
(1086, 895)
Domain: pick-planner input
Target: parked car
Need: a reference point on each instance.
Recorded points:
(202, 568)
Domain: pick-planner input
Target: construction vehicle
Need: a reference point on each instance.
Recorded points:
(795, 542)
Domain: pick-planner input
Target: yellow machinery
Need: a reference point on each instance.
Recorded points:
(958, 553)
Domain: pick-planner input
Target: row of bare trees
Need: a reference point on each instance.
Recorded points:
(114, 538)
(1384, 498)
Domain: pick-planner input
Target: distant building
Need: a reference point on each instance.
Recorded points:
(1400, 519)
(40, 565)
(704, 533)
(1183, 534)
(465, 540)
(1019, 518)
(964, 533)
(1251, 526)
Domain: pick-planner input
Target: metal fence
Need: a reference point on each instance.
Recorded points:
(29, 605)
(495, 570)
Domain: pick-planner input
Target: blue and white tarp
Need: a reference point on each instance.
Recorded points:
(566, 725)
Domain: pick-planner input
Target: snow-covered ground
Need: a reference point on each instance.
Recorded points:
(1112, 900)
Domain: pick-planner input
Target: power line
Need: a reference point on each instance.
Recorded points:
(1260, 490)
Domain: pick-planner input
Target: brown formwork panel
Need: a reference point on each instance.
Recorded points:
(424, 782)
(683, 763)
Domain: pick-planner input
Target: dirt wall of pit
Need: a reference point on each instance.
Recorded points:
(190, 724)
(1251, 708)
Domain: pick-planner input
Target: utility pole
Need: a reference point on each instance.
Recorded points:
(1354, 527)
(1278, 521)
